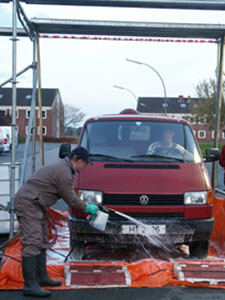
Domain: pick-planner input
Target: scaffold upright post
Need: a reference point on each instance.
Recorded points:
(13, 152)
(219, 95)
(40, 102)
(34, 116)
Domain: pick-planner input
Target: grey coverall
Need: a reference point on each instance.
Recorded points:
(42, 190)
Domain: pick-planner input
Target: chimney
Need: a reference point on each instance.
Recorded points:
(189, 99)
(180, 98)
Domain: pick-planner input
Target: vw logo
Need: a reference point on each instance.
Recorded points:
(144, 200)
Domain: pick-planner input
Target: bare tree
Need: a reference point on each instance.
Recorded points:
(206, 106)
(72, 116)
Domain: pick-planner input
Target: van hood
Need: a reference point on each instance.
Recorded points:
(144, 178)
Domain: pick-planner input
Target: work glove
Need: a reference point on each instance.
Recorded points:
(91, 209)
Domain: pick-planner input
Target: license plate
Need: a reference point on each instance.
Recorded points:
(144, 230)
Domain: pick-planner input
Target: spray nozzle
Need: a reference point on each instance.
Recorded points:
(106, 209)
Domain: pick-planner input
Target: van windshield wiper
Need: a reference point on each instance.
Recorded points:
(158, 156)
(110, 157)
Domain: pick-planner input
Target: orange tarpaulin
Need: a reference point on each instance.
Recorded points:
(217, 240)
(143, 273)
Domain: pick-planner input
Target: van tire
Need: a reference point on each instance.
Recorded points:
(78, 249)
(199, 249)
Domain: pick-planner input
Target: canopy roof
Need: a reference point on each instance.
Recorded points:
(178, 30)
(179, 4)
(53, 26)
(124, 28)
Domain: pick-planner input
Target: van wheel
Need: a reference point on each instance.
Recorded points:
(78, 250)
(199, 249)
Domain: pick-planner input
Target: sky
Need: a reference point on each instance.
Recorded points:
(85, 71)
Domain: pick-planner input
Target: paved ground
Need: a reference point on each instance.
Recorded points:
(166, 293)
(5, 157)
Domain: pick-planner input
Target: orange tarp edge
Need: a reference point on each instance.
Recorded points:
(143, 273)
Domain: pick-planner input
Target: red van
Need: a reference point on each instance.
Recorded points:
(150, 168)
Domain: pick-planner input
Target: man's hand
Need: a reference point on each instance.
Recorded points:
(91, 209)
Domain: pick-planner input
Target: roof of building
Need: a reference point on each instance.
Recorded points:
(24, 96)
(176, 105)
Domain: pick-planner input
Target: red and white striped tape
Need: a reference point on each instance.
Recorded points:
(127, 39)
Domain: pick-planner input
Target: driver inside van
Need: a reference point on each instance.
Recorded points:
(166, 146)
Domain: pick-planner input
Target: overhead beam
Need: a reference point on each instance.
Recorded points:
(117, 28)
(124, 28)
(7, 31)
(166, 4)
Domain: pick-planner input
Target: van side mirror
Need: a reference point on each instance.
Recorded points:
(64, 150)
(211, 154)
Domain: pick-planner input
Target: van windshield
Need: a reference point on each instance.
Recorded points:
(140, 141)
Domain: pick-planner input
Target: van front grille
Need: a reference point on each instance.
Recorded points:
(154, 200)
(174, 215)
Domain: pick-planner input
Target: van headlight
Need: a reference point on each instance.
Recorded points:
(91, 196)
(198, 198)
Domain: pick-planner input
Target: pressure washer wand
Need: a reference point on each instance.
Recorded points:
(111, 210)
(107, 209)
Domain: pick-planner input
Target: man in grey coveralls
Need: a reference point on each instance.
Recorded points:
(42, 190)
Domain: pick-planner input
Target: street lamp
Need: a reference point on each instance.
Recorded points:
(163, 84)
(123, 88)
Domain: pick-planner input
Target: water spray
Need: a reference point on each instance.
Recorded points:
(101, 219)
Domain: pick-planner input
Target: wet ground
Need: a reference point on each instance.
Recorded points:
(166, 293)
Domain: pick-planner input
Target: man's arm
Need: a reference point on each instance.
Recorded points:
(152, 147)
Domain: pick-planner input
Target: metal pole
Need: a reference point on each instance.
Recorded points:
(40, 103)
(13, 150)
(160, 77)
(32, 111)
(18, 74)
(218, 108)
(34, 116)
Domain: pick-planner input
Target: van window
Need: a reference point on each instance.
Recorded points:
(191, 145)
(140, 141)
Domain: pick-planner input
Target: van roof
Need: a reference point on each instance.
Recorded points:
(138, 117)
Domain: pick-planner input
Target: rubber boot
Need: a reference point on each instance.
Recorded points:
(42, 275)
(31, 286)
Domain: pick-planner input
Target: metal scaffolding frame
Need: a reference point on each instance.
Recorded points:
(27, 31)
(33, 27)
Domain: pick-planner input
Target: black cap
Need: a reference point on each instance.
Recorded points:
(80, 153)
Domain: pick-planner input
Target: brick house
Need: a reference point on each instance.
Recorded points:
(179, 107)
(52, 110)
